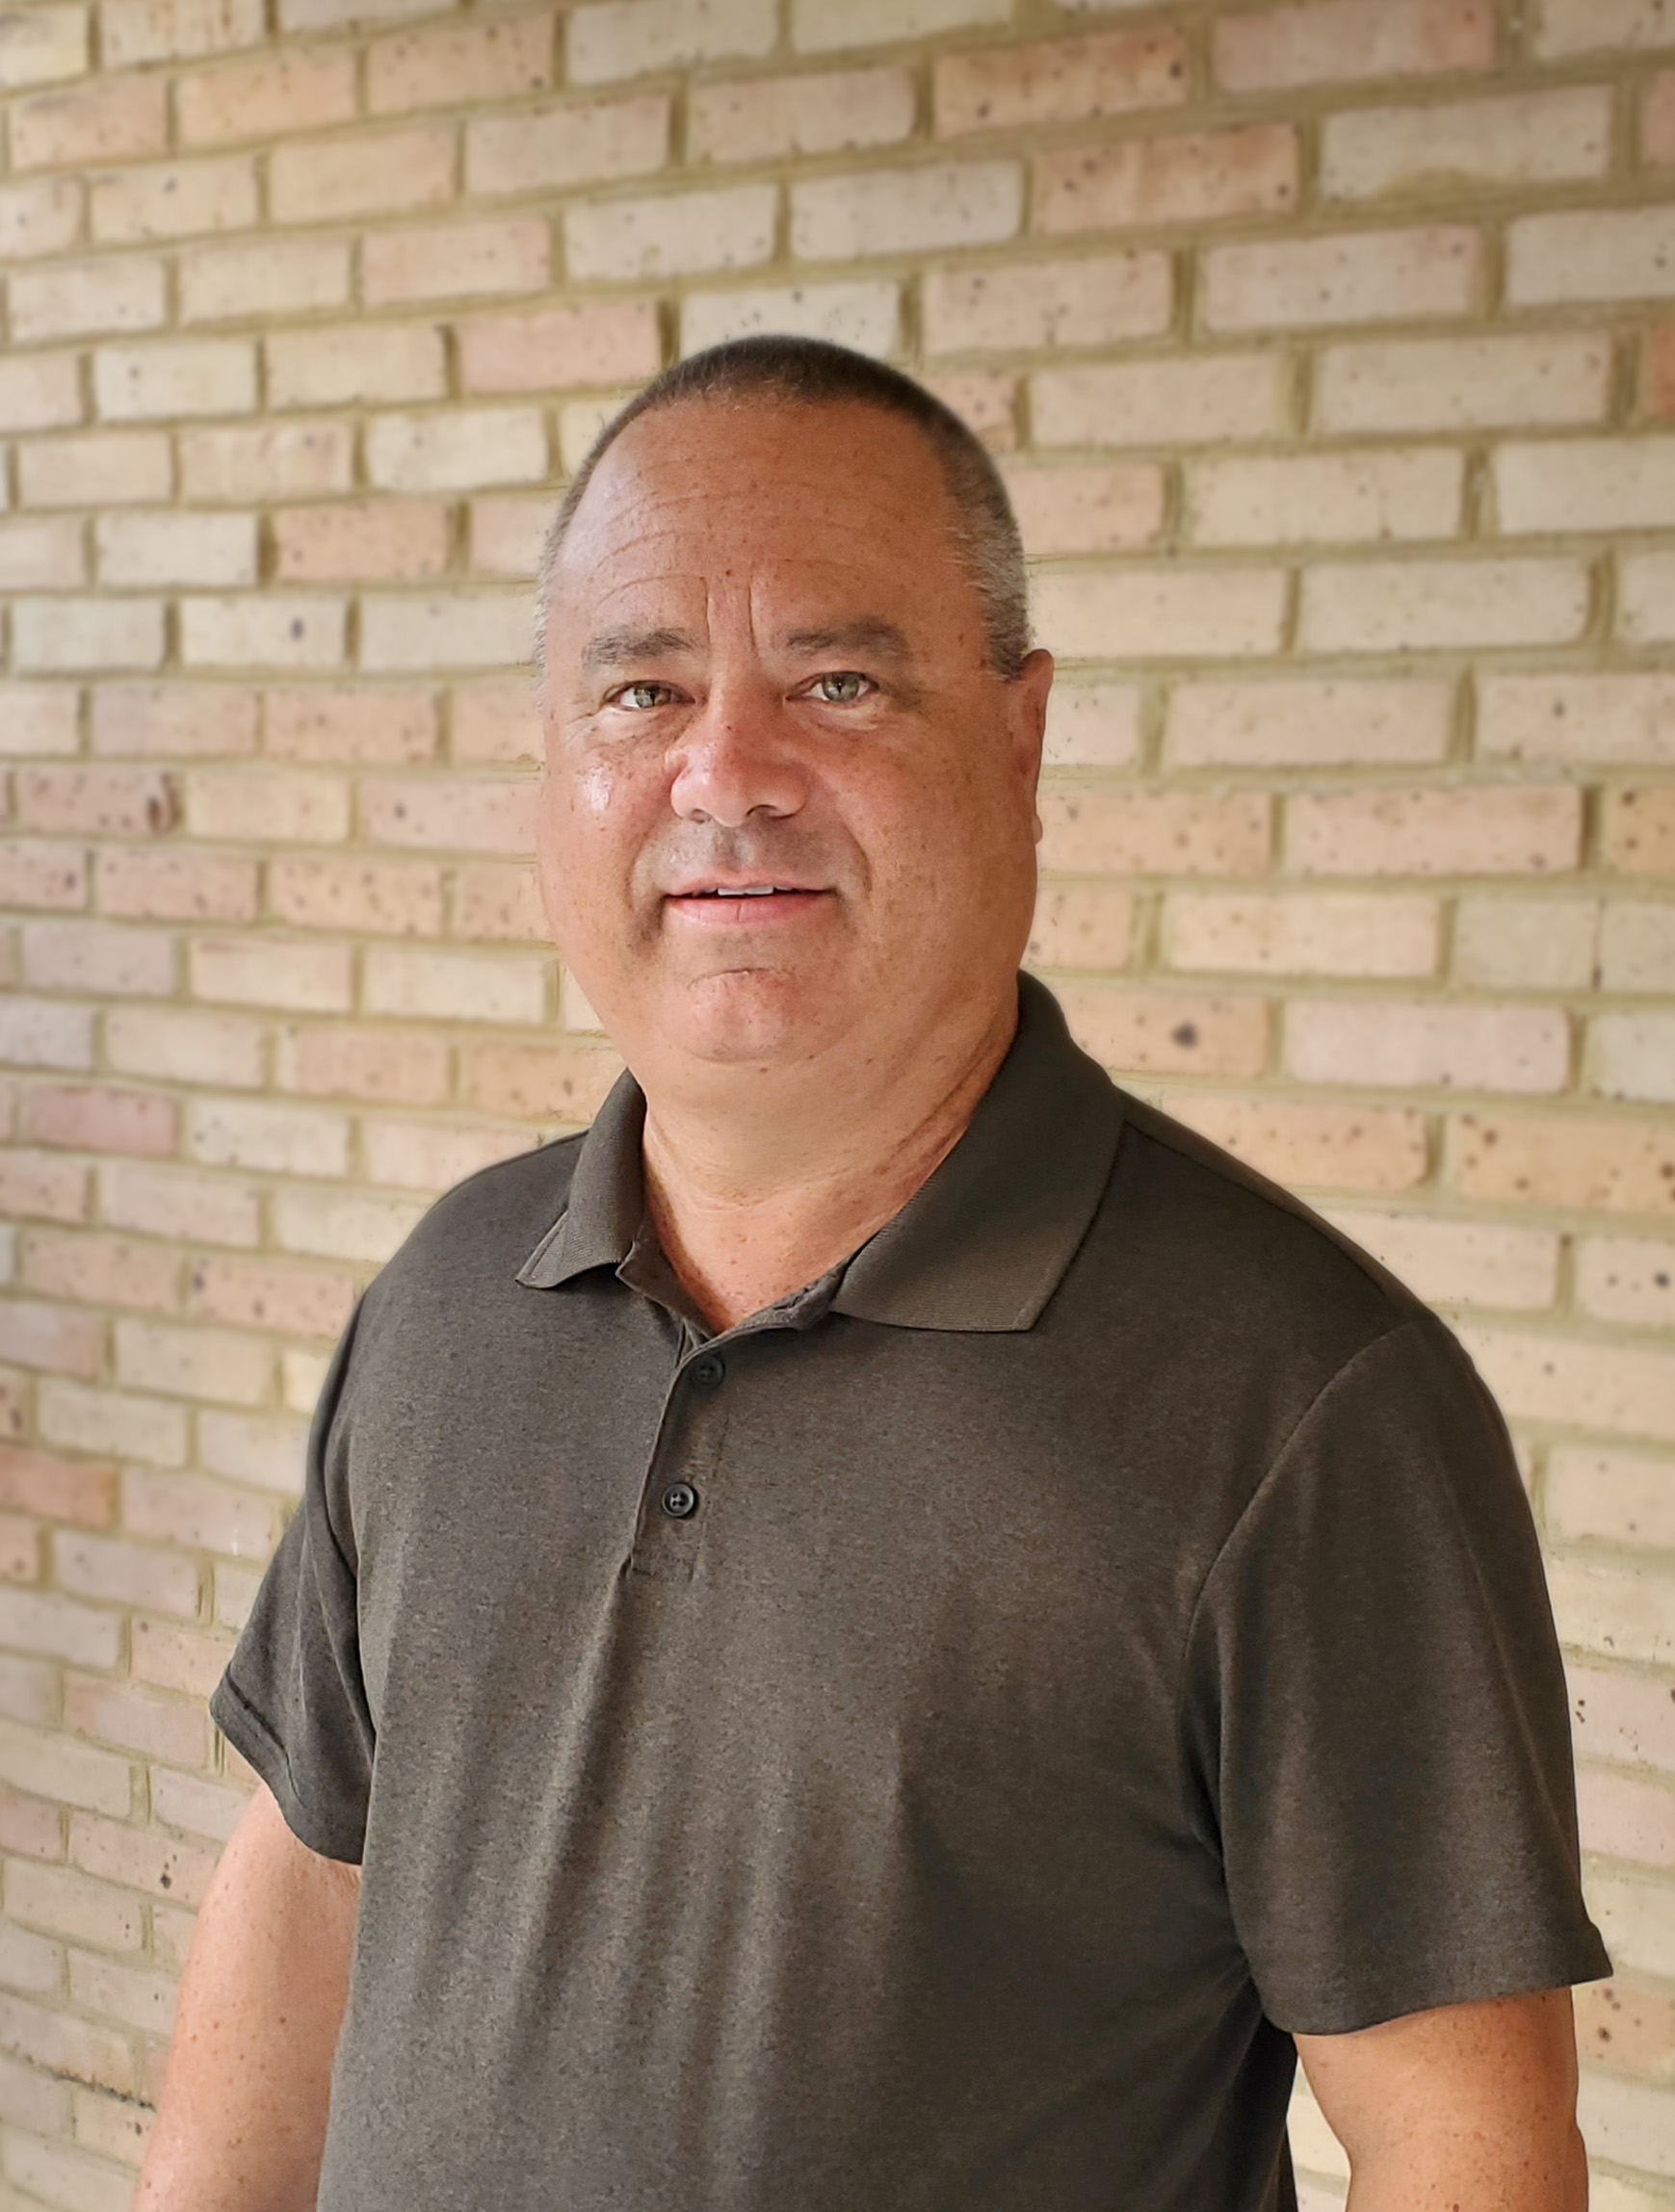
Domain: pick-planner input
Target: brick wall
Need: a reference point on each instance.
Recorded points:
(1331, 349)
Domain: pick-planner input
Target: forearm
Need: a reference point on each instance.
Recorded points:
(242, 2122)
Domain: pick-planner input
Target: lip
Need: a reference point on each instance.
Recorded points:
(724, 907)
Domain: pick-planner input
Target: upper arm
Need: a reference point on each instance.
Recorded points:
(1481, 2095)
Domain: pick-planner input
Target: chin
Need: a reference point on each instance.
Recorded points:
(752, 1015)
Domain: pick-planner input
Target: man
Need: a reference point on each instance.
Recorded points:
(888, 1630)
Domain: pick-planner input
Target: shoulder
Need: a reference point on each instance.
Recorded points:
(478, 1234)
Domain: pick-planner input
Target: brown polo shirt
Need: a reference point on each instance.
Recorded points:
(921, 1750)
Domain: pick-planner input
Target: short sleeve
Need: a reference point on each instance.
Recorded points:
(291, 1700)
(1374, 1710)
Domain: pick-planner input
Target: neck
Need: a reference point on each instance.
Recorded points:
(748, 1206)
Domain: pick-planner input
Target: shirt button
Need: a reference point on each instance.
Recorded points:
(679, 1500)
(707, 1374)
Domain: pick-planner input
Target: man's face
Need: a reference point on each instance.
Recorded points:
(788, 809)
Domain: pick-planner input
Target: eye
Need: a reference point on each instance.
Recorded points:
(641, 697)
(843, 688)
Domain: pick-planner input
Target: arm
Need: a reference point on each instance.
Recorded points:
(242, 2122)
(1469, 2106)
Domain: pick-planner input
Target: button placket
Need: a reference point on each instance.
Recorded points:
(681, 1474)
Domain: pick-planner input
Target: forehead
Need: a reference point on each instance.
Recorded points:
(709, 496)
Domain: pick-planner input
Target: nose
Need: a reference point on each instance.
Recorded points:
(736, 759)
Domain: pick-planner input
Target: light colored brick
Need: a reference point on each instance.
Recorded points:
(342, 1224)
(139, 1720)
(383, 1065)
(1325, 934)
(1520, 139)
(202, 1808)
(101, 468)
(1166, 1031)
(1583, 1162)
(387, 173)
(458, 629)
(1644, 616)
(275, 1140)
(98, 957)
(1193, 179)
(27, 2098)
(1460, 1263)
(38, 719)
(39, 392)
(93, 1118)
(1385, 606)
(1527, 943)
(257, 1294)
(382, 726)
(1637, 948)
(866, 317)
(88, 298)
(72, 2048)
(72, 1773)
(1509, 830)
(174, 1045)
(561, 1085)
(139, 549)
(1626, 1279)
(1618, 1496)
(378, 540)
(173, 719)
(372, 362)
(1328, 499)
(1067, 80)
(457, 261)
(260, 806)
(679, 233)
(42, 874)
(54, 1489)
(43, 1033)
(768, 119)
(275, 97)
(266, 1451)
(1341, 40)
(173, 200)
(106, 1421)
(271, 972)
(1200, 402)
(1133, 615)
(267, 460)
(1090, 301)
(190, 1510)
(41, 553)
(35, 1184)
(580, 423)
(1578, 1384)
(1634, 1056)
(1110, 830)
(1628, 719)
(499, 905)
(1566, 27)
(50, 1339)
(347, 15)
(1416, 1043)
(58, 1627)
(564, 144)
(396, 897)
(137, 30)
(229, 284)
(496, 722)
(175, 1202)
(1067, 510)
(424, 1156)
(111, 121)
(111, 2128)
(1634, 1914)
(86, 634)
(458, 450)
(140, 1859)
(95, 1270)
(1639, 831)
(985, 400)
(275, 630)
(613, 38)
(1307, 723)
(142, 2000)
(41, 218)
(1560, 486)
(1657, 121)
(452, 65)
(41, 44)
(1092, 726)
(1557, 379)
(1081, 926)
(1372, 276)
(1599, 254)
(64, 1903)
(506, 533)
(188, 377)
(456, 987)
(935, 207)
(595, 342)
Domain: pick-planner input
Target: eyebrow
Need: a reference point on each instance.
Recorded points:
(620, 648)
(870, 633)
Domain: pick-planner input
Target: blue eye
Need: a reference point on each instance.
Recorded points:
(842, 688)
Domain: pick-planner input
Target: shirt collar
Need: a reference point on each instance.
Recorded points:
(981, 1246)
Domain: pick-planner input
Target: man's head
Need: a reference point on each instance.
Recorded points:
(785, 656)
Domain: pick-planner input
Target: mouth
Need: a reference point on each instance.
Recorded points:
(728, 904)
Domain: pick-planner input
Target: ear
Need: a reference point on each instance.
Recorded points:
(1027, 719)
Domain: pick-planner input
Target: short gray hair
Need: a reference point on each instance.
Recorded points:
(811, 372)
